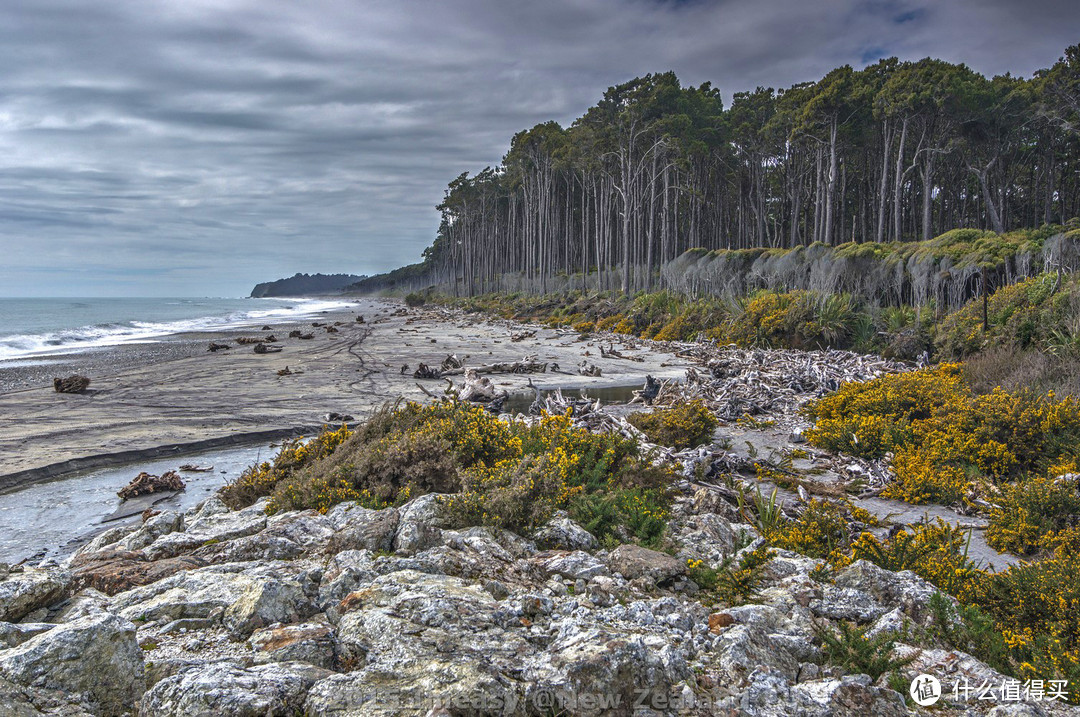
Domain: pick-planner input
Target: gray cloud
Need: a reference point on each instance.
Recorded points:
(199, 147)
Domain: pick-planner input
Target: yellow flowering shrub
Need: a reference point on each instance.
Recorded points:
(259, 480)
(1029, 515)
(946, 440)
(683, 425)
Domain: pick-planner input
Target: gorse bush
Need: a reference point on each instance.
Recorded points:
(1031, 514)
(849, 648)
(260, 479)
(683, 425)
(507, 474)
(944, 437)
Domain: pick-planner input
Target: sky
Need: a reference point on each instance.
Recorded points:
(196, 147)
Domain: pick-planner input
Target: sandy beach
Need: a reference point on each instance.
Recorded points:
(175, 397)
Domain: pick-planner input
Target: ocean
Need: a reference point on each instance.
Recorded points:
(40, 327)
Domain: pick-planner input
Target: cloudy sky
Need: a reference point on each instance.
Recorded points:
(195, 147)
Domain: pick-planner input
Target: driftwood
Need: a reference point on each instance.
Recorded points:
(779, 382)
(529, 364)
(267, 349)
(249, 340)
(218, 347)
(522, 335)
(288, 372)
(360, 319)
(265, 327)
(610, 352)
(404, 369)
(318, 324)
(425, 371)
(331, 330)
(270, 339)
(192, 468)
(294, 334)
(305, 337)
(585, 368)
(145, 483)
(71, 384)
(649, 393)
(451, 362)
(334, 417)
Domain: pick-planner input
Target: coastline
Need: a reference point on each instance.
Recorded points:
(174, 398)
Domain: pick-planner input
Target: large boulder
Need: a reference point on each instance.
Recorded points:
(114, 571)
(26, 590)
(357, 528)
(96, 657)
(561, 533)
(634, 561)
(311, 643)
(240, 596)
(225, 690)
(212, 523)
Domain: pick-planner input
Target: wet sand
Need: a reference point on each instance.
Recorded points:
(174, 397)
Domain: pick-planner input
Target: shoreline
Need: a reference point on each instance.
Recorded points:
(172, 397)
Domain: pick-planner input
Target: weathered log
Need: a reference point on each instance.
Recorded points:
(267, 349)
(331, 330)
(145, 483)
(522, 335)
(451, 362)
(71, 384)
(249, 340)
(270, 339)
(318, 324)
(585, 368)
(479, 389)
(192, 468)
(610, 352)
(294, 334)
(526, 365)
(425, 371)
(305, 337)
(214, 346)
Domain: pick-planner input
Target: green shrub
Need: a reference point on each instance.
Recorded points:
(415, 299)
(683, 425)
(850, 649)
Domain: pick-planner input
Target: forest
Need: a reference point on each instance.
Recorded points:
(896, 152)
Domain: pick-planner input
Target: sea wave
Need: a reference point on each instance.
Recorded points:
(84, 338)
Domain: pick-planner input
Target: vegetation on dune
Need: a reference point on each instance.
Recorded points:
(506, 474)
(684, 425)
(948, 443)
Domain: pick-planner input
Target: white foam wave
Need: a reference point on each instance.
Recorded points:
(90, 337)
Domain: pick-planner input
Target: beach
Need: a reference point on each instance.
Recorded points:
(174, 397)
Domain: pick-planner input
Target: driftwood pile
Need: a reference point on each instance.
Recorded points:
(215, 347)
(267, 349)
(71, 384)
(146, 483)
(740, 382)
(453, 366)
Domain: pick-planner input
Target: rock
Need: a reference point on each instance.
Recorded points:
(888, 590)
(163, 523)
(356, 528)
(561, 533)
(708, 537)
(419, 524)
(96, 657)
(310, 643)
(240, 596)
(21, 593)
(718, 621)
(577, 565)
(14, 635)
(226, 690)
(634, 561)
(21, 701)
(769, 694)
(114, 571)
(213, 523)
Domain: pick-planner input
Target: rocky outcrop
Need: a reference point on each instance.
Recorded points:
(378, 612)
(95, 658)
(23, 591)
